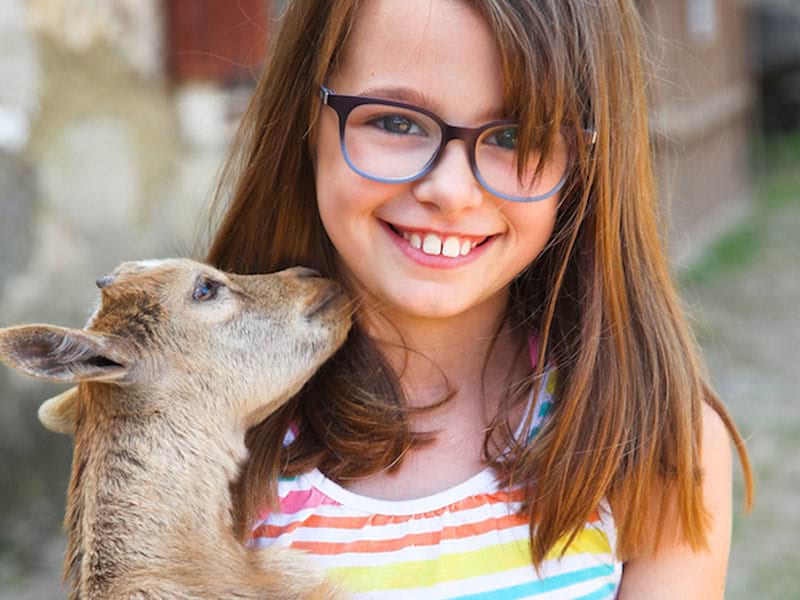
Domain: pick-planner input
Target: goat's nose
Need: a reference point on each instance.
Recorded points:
(104, 281)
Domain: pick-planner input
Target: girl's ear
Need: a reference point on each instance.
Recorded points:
(58, 413)
(65, 355)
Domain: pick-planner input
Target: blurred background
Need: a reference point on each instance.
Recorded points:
(115, 116)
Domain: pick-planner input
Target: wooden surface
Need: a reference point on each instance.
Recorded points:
(221, 41)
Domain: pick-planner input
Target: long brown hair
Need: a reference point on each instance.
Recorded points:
(631, 382)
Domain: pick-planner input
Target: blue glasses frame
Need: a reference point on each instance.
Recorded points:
(343, 105)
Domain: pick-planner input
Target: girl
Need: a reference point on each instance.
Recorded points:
(520, 409)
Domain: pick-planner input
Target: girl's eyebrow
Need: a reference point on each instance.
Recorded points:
(419, 98)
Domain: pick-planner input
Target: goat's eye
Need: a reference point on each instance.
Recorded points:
(205, 289)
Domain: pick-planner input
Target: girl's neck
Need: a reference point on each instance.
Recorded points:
(448, 356)
(434, 356)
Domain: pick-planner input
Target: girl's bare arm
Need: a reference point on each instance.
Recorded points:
(676, 571)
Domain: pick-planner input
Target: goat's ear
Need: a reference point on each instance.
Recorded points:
(58, 413)
(65, 355)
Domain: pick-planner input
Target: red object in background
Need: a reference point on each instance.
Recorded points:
(223, 41)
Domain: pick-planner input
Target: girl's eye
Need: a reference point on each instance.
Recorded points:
(505, 138)
(205, 289)
(398, 124)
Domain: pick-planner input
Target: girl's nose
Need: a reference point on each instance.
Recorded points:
(451, 185)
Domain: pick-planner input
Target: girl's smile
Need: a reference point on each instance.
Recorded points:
(438, 249)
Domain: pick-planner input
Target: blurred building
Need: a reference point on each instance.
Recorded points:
(704, 94)
(776, 59)
(213, 45)
(216, 40)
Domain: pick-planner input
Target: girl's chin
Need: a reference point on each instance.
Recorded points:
(420, 310)
(409, 298)
(428, 305)
(430, 311)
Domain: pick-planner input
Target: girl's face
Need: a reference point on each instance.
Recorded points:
(441, 56)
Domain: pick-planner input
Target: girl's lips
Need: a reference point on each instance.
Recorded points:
(431, 260)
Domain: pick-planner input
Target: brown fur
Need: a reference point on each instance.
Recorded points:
(168, 385)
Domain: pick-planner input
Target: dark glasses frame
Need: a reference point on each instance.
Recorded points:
(344, 105)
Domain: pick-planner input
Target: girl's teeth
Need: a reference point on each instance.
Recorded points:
(451, 247)
(432, 244)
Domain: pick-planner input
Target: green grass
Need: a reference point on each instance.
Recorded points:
(735, 249)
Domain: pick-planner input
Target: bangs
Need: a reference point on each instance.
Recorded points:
(544, 75)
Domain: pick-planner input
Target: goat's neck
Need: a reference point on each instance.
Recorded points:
(149, 486)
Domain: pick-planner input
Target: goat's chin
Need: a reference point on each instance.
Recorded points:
(315, 357)
(265, 409)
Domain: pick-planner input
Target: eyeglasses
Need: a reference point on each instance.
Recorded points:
(394, 142)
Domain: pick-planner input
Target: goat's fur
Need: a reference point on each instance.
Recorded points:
(174, 367)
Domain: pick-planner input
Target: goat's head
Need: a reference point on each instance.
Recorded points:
(180, 330)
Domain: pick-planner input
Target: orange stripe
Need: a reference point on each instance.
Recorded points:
(378, 520)
(431, 538)
(414, 539)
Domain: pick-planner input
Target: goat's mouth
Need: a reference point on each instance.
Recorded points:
(330, 298)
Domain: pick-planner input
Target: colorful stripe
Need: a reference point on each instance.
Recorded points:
(466, 565)
(472, 546)
(550, 584)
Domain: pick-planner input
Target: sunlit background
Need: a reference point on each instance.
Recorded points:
(115, 116)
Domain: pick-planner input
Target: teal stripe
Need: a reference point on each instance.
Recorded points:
(533, 433)
(600, 594)
(544, 410)
(525, 590)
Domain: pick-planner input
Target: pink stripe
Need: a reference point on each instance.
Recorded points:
(303, 500)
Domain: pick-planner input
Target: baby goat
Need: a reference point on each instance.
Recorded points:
(174, 367)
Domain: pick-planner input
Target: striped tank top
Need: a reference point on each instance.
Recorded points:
(466, 542)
